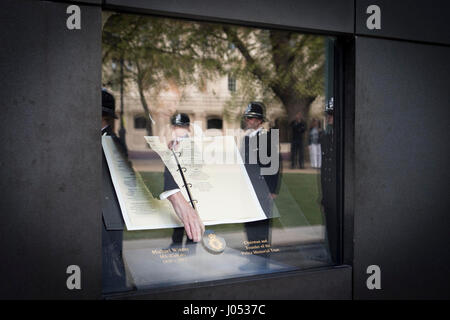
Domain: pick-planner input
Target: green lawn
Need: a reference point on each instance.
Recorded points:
(297, 204)
(299, 201)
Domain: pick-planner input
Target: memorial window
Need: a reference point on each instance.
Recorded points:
(258, 197)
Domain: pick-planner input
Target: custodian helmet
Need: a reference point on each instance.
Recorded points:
(108, 104)
(255, 110)
(329, 106)
(180, 119)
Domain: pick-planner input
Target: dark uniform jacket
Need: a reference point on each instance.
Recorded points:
(328, 184)
(112, 215)
(169, 182)
(264, 185)
(113, 269)
(328, 169)
(298, 129)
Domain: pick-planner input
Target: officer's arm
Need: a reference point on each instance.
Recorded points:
(169, 181)
(192, 223)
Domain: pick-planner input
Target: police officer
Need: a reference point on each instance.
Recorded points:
(113, 270)
(298, 128)
(328, 179)
(193, 225)
(266, 186)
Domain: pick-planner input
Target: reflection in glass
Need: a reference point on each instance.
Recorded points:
(237, 156)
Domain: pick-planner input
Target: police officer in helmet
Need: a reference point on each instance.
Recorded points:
(266, 186)
(180, 127)
(113, 269)
(194, 227)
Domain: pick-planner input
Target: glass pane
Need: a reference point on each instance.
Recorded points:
(212, 180)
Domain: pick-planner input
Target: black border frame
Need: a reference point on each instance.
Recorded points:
(344, 96)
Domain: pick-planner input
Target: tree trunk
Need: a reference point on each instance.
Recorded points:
(143, 101)
(283, 58)
(146, 110)
(294, 104)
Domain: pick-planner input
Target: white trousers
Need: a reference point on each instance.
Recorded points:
(315, 155)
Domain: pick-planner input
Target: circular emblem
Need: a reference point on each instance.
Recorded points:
(213, 243)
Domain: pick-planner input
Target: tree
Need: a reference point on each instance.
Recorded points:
(155, 52)
(289, 64)
(276, 65)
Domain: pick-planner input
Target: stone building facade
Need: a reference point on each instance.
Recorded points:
(210, 108)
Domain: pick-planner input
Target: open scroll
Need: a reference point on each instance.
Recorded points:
(216, 176)
(214, 172)
(140, 210)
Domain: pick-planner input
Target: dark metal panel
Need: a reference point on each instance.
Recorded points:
(88, 1)
(50, 160)
(320, 15)
(406, 19)
(348, 145)
(96, 2)
(402, 219)
(334, 283)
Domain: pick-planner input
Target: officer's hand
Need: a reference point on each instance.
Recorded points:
(273, 195)
(192, 224)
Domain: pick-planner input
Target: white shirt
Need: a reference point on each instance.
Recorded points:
(168, 193)
(253, 132)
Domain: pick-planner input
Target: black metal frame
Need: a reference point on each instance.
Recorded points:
(51, 204)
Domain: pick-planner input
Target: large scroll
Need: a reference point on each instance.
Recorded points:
(216, 176)
(214, 172)
(140, 210)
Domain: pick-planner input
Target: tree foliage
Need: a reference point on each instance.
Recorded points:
(271, 65)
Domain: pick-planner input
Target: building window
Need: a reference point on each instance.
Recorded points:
(140, 122)
(231, 83)
(215, 123)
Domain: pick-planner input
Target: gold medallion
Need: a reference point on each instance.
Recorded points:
(213, 243)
